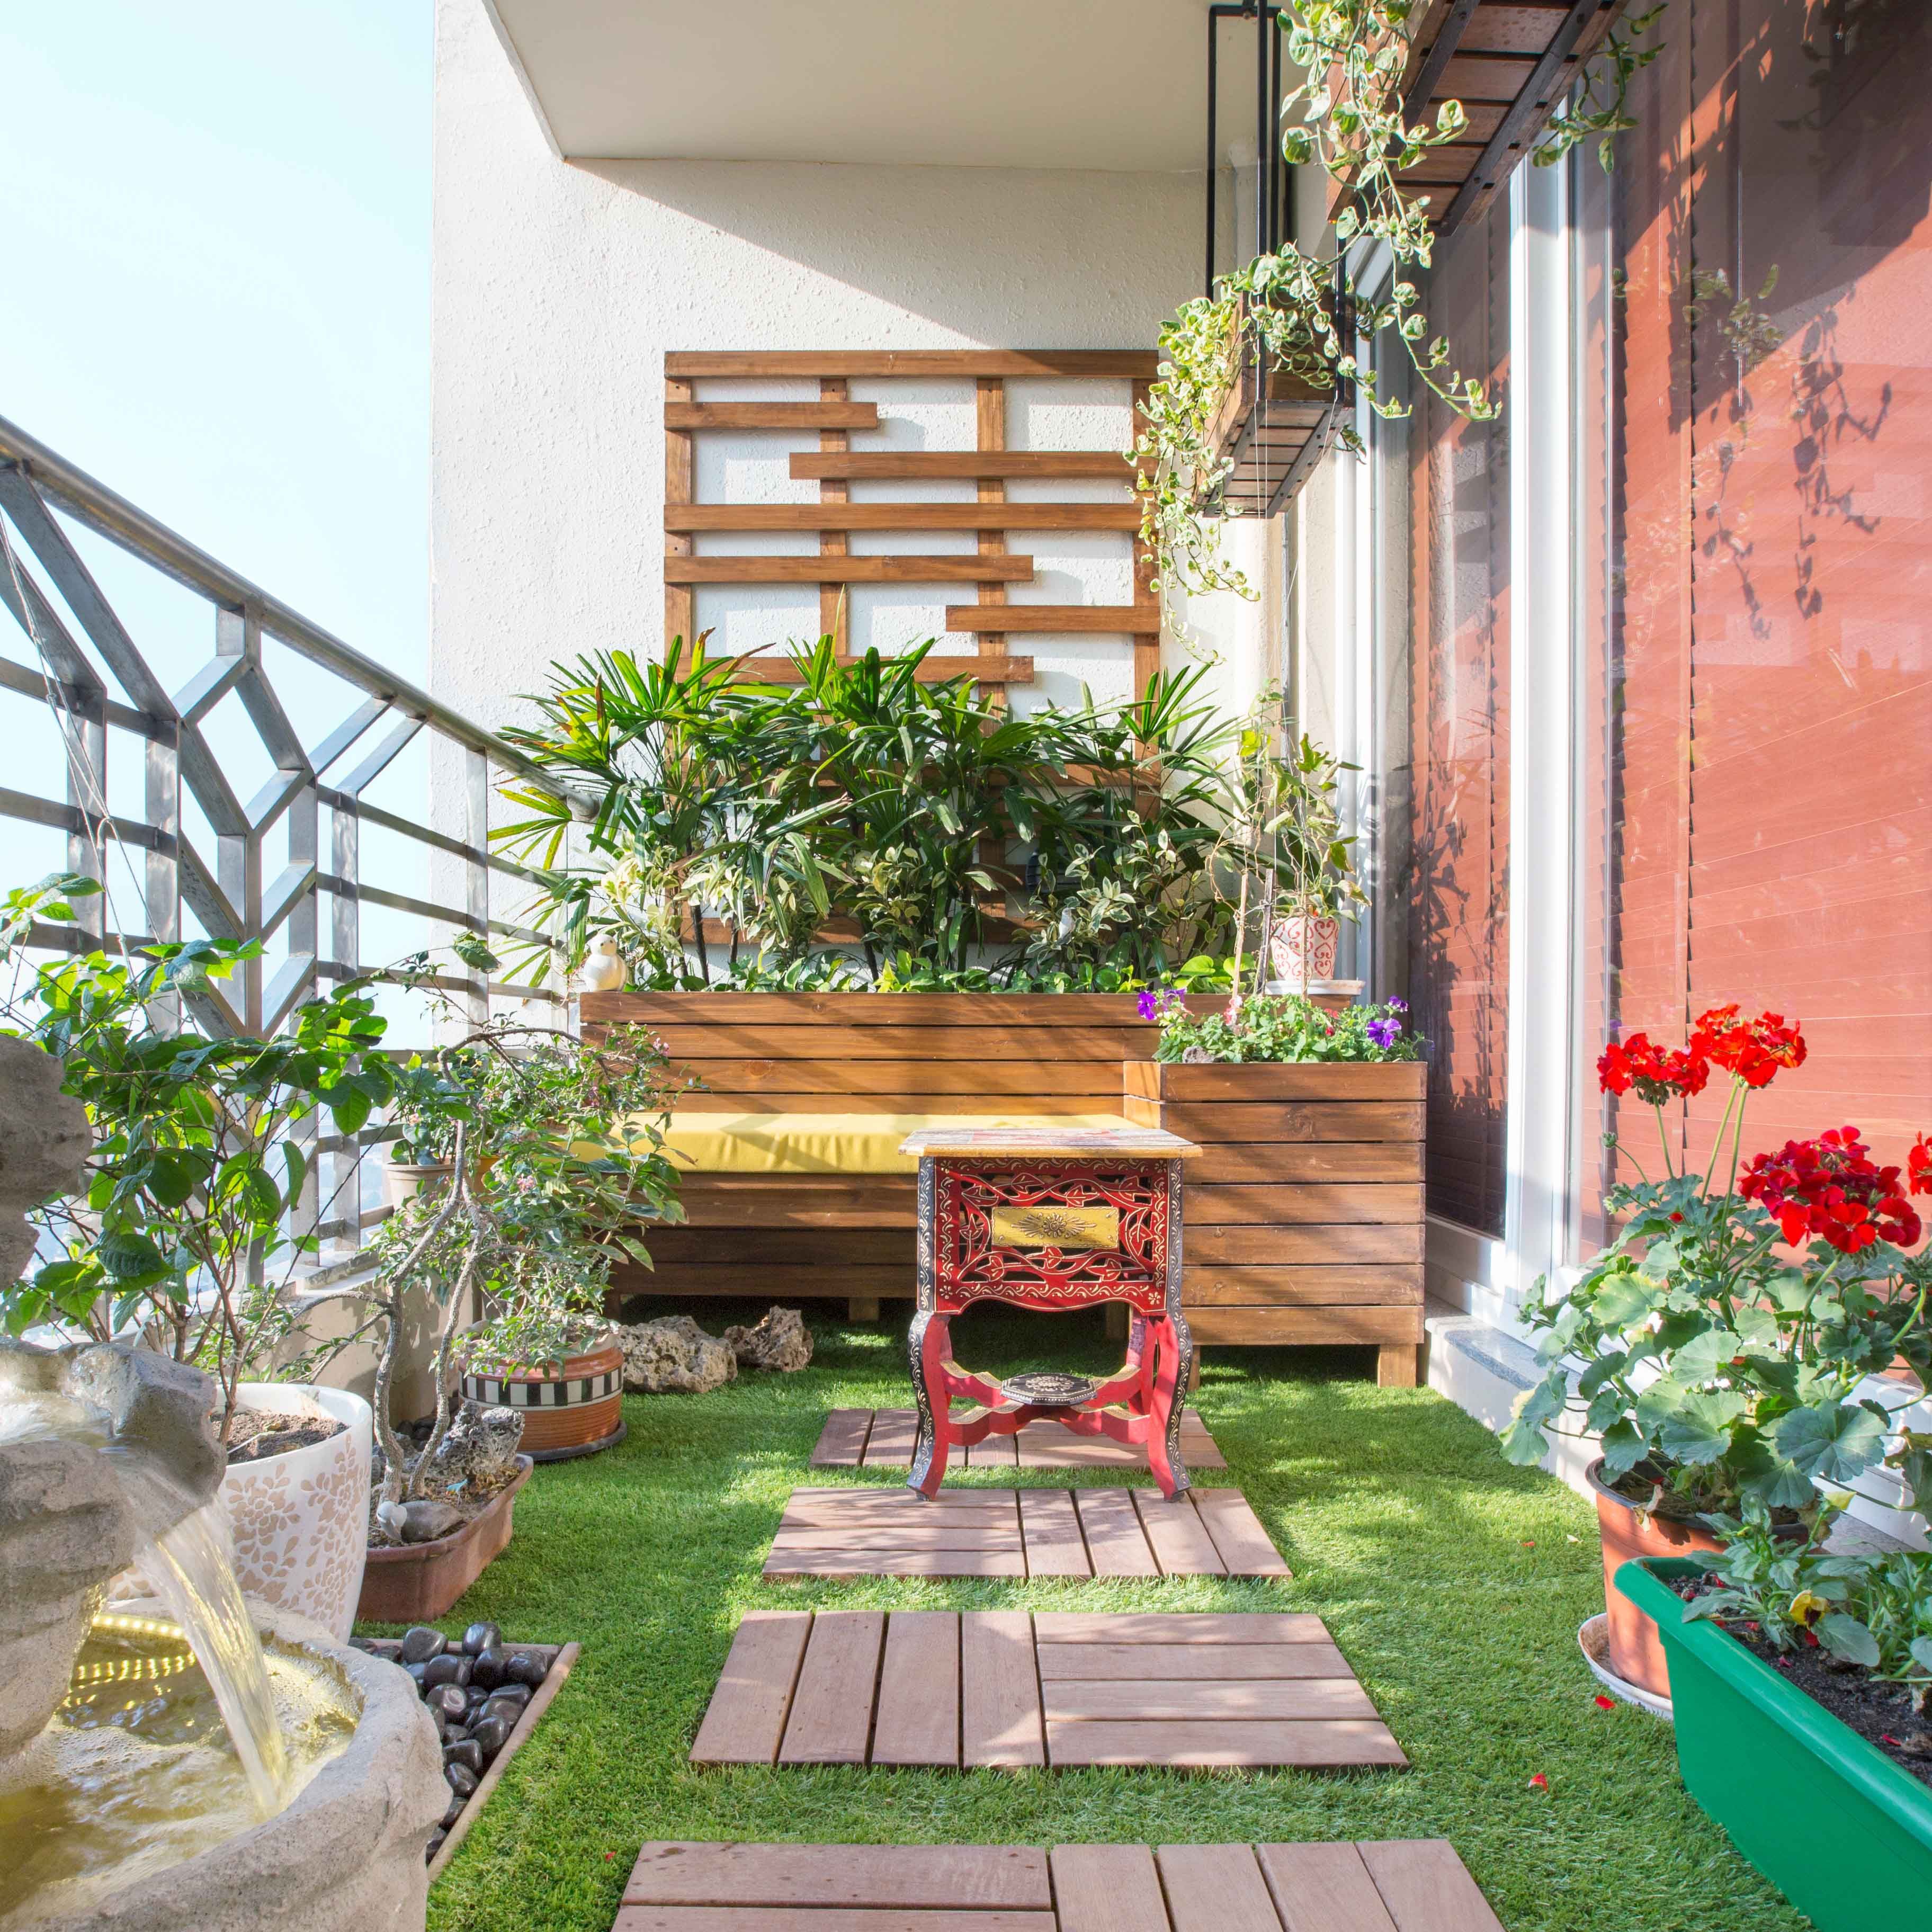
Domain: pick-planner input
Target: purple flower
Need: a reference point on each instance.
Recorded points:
(1148, 1005)
(1383, 1032)
(1397, 1006)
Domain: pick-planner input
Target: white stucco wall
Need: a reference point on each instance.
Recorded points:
(559, 286)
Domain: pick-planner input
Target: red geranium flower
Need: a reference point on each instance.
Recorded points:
(1752, 1050)
(1831, 1187)
(1918, 1166)
(1658, 1073)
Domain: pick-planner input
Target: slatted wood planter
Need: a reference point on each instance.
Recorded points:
(786, 1237)
(1271, 428)
(1304, 1214)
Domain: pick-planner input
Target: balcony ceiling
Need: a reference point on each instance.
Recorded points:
(1108, 84)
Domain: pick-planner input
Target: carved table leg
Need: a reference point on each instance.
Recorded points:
(1175, 1354)
(929, 1344)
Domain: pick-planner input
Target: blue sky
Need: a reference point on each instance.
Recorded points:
(216, 237)
(216, 245)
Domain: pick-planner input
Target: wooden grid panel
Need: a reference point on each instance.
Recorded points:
(1404, 1885)
(835, 466)
(882, 1438)
(1020, 1533)
(967, 1690)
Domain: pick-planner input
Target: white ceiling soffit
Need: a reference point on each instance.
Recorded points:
(1109, 84)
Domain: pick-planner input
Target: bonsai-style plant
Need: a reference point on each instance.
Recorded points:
(1717, 1345)
(553, 1149)
(191, 1225)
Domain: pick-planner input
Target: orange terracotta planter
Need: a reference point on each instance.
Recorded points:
(420, 1581)
(1636, 1651)
(566, 1406)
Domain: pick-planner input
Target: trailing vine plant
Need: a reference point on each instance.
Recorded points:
(1345, 115)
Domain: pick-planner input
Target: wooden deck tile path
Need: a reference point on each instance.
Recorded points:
(1412, 1885)
(1016, 1532)
(882, 1438)
(1001, 1687)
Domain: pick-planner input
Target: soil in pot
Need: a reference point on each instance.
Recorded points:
(258, 1433)
(1883, 1714)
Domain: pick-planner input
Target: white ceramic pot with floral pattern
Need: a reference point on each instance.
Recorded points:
(301, 1519)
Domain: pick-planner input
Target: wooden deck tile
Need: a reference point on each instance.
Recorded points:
(1115, 1540)
(747, 1716)
(1323, 1889)
(995, 1688)
(884, 1438)
(1427, 1888)
(1019, 1532)
(1181, 1545)
(1216, 1889)
(916, 1877)
(1245, 1545)
(1418, 1885)
(1000, 1714)
(831, 1719)
(841, 1442)
(1054, 1546)
(890, 1444)
(1107, 1888)
(918, 1717)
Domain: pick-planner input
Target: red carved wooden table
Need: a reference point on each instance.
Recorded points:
(1052, 1220)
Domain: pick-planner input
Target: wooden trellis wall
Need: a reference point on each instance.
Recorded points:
(835, 466)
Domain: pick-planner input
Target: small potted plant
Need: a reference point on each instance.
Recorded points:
(1795, 1670)
(1314, 871)
(1716, 1347)
(565, 1379)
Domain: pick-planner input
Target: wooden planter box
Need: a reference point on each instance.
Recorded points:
(1304, 1213)
(420, 1582)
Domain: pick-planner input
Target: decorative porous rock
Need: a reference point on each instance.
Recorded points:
(674, 1356)
(480, 1449)
(780, 1341)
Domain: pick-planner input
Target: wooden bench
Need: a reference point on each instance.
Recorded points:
(1305, 1222)
(851, 1235)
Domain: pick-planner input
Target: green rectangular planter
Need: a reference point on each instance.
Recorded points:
(1856, 1853)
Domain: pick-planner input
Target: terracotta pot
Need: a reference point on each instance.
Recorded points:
(566, 1406)
(403, 1181)
(1636, 1651)
(421, 1581)
(1302, 948)
(301, 1519)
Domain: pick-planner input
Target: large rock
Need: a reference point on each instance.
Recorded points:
(673, 1355)
(44, 1143)
(480, 1449)
(780, 1342)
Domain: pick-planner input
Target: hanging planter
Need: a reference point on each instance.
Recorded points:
(1273, 424)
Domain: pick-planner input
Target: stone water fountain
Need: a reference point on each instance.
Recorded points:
(195, 1765)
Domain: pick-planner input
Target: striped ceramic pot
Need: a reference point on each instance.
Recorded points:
(567, 1406)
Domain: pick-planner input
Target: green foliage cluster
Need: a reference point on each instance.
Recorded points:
(1720, 1372)
(1286, 1026)
(185, 1229)
(919, 823)
(1871, 1609)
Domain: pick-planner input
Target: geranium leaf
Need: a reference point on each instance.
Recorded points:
(1833, 1442)
(1624, 1446)
(1623, 1298)
(1699, 1430)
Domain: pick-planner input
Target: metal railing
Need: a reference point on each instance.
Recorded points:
(95, 691)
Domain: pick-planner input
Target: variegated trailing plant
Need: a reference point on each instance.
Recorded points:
(1345, 115)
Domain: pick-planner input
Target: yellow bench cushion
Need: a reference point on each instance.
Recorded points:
(825, 1143)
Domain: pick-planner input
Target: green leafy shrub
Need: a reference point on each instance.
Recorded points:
(1279, 1026)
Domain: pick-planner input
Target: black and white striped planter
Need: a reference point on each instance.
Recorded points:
(571, 1408)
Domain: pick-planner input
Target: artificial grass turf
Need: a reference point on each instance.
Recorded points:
(1453, 1584)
